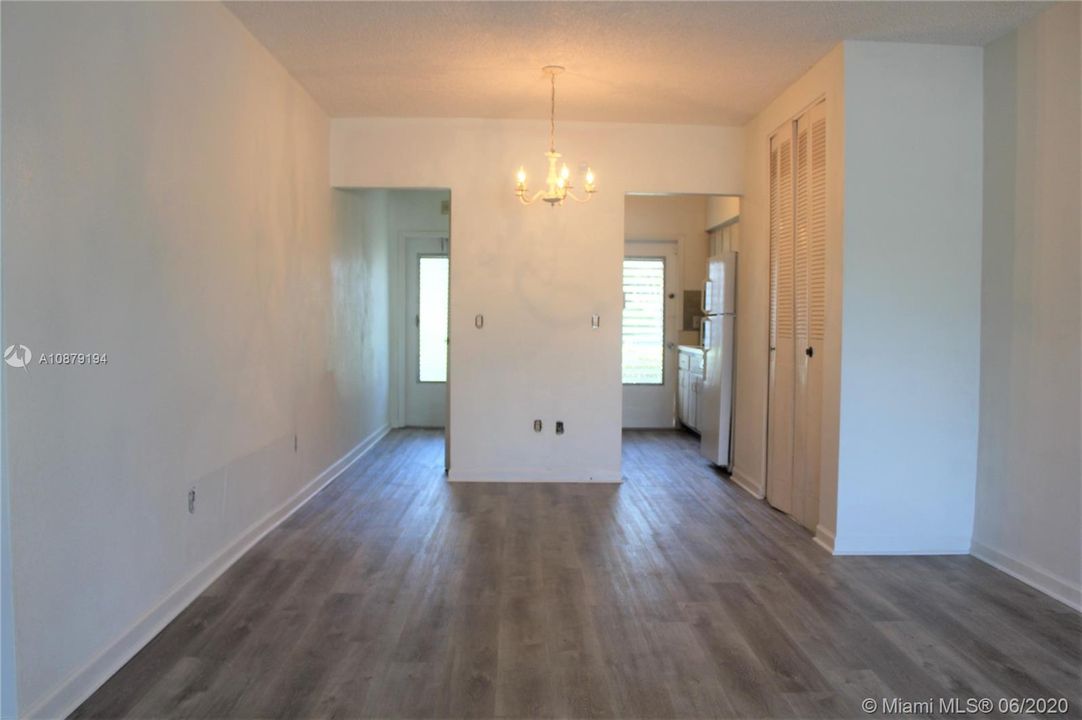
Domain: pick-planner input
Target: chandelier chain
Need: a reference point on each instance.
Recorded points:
(552, 116)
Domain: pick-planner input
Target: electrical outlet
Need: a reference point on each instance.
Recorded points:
(537, 426)
(191, 501)
(559, 427)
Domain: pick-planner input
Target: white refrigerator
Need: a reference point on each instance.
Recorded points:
(718, 334)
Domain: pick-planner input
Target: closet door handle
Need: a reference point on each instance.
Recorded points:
(809, 351)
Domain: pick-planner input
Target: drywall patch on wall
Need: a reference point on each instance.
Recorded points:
(1028, 502)
(166, 202)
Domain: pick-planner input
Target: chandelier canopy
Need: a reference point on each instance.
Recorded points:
(558, 185)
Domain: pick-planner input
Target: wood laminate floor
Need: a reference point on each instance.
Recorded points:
(396, 594)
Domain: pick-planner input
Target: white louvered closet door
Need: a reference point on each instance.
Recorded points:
(780, 385)
(797, 314)
(809, 309)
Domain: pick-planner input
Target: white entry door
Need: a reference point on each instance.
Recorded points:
(651, 323)
(427, 280)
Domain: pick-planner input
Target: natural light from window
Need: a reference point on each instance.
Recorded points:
(644, 321)
(432, 319)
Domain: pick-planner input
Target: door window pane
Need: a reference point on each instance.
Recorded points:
(432, 319)
(644, 321)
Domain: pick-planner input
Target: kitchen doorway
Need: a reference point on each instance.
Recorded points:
(679, 317)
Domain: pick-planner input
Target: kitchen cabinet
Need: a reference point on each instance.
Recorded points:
(689, 385)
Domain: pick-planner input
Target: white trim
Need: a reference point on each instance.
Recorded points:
(1037, 578)
(535, 475)
(824, 538)
(752, 487)
(81, 684)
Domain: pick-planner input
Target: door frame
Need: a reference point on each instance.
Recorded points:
(675, 270)
(400, 325)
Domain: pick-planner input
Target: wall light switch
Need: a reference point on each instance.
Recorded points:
(595, 321)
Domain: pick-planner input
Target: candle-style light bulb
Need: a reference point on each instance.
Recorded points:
(589, 177)
(564, 172)
(521, 176)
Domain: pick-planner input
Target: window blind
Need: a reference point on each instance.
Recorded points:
(644, 321)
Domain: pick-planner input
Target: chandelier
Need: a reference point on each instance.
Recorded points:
(558, 183)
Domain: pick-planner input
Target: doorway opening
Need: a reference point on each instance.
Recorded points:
(679, 316)
(419, 233)
(427, 280)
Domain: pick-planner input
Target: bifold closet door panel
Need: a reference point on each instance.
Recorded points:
(780, 388)
(809, 309)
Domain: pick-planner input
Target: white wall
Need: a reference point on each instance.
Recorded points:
(166, 201)
(825, 80)
(673, 217)
(911, 298)
(536, 273)
(8, 678)
(1029, 475)
(720, 210)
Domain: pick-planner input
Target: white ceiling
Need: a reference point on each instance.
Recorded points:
(715, 63)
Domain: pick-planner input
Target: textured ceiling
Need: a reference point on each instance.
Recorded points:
(715, 63)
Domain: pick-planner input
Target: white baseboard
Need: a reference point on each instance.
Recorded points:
(1037, 578)
(824, 538)
(77, 687)
(753, 487)
(518, 475)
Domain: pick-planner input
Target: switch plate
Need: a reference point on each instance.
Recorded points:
(595, 321)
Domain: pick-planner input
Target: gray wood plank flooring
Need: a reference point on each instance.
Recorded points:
(396, 594)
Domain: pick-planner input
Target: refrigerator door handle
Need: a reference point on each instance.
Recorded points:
(707, 287)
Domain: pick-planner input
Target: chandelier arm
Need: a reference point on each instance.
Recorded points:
(576, 198)
(536, 196)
